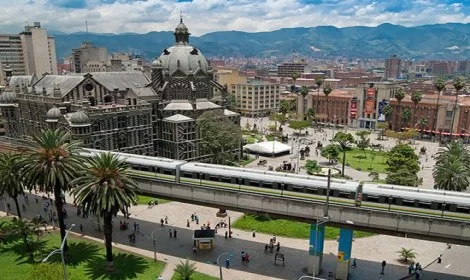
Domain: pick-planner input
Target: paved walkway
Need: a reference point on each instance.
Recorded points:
(368, 251)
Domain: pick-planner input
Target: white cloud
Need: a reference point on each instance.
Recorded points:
(202, 16)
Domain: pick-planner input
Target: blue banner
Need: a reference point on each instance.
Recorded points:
(345, 244)
(382, 104)
(316, 248)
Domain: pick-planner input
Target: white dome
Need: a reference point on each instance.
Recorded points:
(183, 57)
(8, 97)
(53, 114)
(79, 117)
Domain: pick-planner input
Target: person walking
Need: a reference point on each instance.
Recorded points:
(227, 263)
(161, 222)
(174, 233)
(187, 223)
(410, 268)
(354, 264)
(254, 233)
(384, 263)
(81, 228)
(171, 233)
(226, 234)
(278, 246)
(166, 220)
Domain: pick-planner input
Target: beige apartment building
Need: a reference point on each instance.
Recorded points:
(256, 98)
(32, 52)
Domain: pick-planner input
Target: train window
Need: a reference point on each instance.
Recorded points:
(372, 198)
(424, 204)
(254, 183)
(298, 189)
(344, 194)
(213, 178)
(310, 190)
(167, 171)
(267, 185)
(225, 179)
(407, 202)
(186, 174)
(462, 209)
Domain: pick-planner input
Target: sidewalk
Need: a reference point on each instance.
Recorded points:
(368, 251)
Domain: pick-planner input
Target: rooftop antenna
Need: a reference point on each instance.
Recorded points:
(181, 15)
(86, 30)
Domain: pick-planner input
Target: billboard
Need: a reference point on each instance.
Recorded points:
(369, 107)
(353, 108)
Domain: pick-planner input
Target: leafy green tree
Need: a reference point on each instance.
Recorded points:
(185, 270)
(416, 98)
(422, 125)
(312, 167)
(318, 82)
(403, 166)
(311, 115)
(231, 102)
(459, 84)
(103, 190)
(28, 232)
(11, 181)
(220, 137)
(50, 163)
(399, 95)
(440, 85)
(387, 111)
(344, 140)
(331, 152)
(294, 77)
(405, 116)
(452, 169)
(326, 91)
(299, 125)
(364, 141)
(407, 254)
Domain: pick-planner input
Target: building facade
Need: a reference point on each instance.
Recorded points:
(288, 68)
(30, 52)
(89, 58)
(392, 68)
(123, 111)
(256, 98)
(331, 109)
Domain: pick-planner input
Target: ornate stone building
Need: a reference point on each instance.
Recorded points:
(123, 111)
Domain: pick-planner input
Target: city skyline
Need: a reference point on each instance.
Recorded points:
(142, 16)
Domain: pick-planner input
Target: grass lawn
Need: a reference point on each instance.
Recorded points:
(87, 261)
(286, 228)
(145, 199)
(355, 158)
(196, 276)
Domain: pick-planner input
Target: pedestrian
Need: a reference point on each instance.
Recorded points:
(410, 268)
(194, 250)
(187, 223)
(166, 220)
(24, 207)
(417, 266)
(135, 226)
(192, 217)
(227, 263)
(81, 228)
(274, 239)
(278, 246)
(160, 278)
(384, 263)
(254, 233)
(26, 199)
(161, 221)
(171, 233)
(226, 234)
(266, 247)
(9, 207)
(174, 233)
(354, 264)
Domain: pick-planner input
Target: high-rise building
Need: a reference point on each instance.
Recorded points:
(392, 67)
(256, 98)
(288, 68)
(30, 52)
(89, 58)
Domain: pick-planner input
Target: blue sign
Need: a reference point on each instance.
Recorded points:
(382, 104)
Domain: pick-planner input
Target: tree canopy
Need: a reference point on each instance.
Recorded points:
(331, 152)
(220, 137)
(299, 125)
(403, 166)
(452, 168)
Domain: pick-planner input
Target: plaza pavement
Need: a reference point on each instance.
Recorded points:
(426, 161)
(368, 251)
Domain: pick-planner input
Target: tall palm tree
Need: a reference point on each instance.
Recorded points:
(185, 270)
(318, 82)
(50, 163)
(440, 85)
(303, 92)
(10, 178)
(458, 85)
(105, 189)
(416, 98)
(452, 168)
(399, 95)
(326, 91)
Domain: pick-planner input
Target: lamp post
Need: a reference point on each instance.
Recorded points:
(61, 252)
(220, 266)
(152, 235)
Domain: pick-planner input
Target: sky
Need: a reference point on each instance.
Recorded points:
(204, 16)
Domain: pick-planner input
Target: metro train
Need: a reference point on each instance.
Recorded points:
(341, 191)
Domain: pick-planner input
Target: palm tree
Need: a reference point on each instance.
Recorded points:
(51, 163)
(440, 85)
(10, 178)
(294, 77)
(422, 124)
(407, 254)
(452, 168)
(416, 98)
(103, 190)
(318, 82)
(405, 116)
(399, 95)
(458, 85)
(310, 114)
(303, 92)
(326, 91)
(344, 140)
(185, 270)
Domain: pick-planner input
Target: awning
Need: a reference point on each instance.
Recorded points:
(269, 147)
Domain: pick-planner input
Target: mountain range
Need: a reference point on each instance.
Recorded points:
(437, 41)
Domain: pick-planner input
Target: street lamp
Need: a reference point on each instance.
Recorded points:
(220, 266)
(61, 251)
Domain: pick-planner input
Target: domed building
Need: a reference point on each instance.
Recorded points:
(123, 111)
(184, 83)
